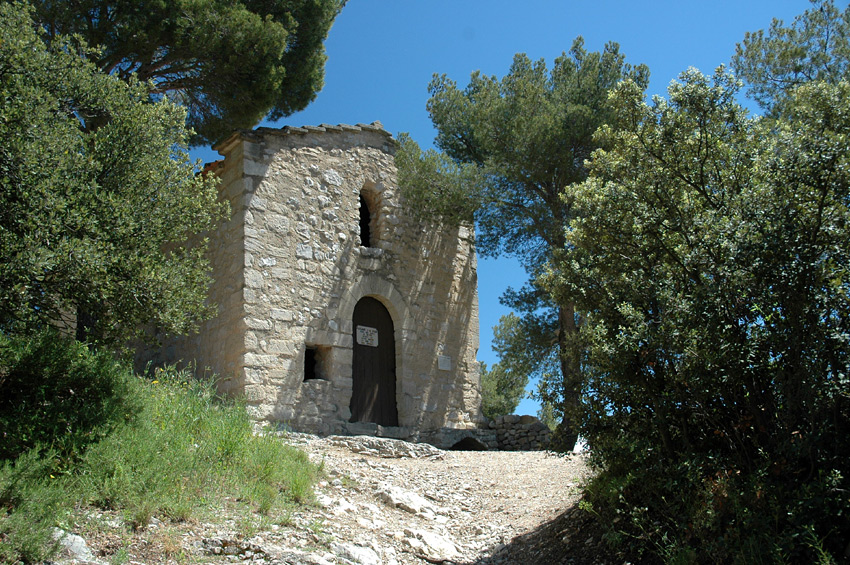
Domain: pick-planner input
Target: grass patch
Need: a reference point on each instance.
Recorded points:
(32, 500)
(181, 455)
(189, 450)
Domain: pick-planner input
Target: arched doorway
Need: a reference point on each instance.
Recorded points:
(373, 376)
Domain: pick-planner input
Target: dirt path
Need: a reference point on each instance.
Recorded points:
(393, 503)
(476, 501)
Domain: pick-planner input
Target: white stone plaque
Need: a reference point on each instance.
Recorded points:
(367, 336)
(444, 362)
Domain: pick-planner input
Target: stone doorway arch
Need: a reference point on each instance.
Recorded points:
(373, 395)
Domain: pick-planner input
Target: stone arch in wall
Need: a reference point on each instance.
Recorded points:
(383, 291)
(373, 375)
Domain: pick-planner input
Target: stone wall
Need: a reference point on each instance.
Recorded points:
(505, 433)
(289, 269)
(520, 433)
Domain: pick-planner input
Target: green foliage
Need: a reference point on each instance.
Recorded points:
(32, 502)
(509, 146)
(815, 47)
(711, 258)
(501, 391)
(185, 451)
(448, 198)
(97, 194)
(230, 63)
(528, 344)
(526, 349)
(182, 454)
(58, 394)
(524, 137)
(549, 416)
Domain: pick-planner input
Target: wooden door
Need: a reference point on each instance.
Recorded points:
(373, 386)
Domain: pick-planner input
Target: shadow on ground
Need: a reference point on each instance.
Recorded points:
(572, 537)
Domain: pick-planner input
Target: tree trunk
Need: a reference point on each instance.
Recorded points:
(567, 433)
(86, 321)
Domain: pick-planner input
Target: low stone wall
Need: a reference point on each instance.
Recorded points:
(445, 438)
(505, 433)
(520, 433)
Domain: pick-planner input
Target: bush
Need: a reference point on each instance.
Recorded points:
(58, 394)
(98, 196)
(711, 262)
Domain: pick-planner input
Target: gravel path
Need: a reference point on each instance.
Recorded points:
(476, 501)
(390, 502)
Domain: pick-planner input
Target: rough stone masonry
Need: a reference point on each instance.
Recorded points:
(323, 282)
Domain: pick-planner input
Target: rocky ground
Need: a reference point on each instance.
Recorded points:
(384, 501)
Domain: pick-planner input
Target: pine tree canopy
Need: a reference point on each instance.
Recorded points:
(229, 63)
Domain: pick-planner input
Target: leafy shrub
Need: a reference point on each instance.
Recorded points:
(98, 195)
(59, 394)
(711, 262)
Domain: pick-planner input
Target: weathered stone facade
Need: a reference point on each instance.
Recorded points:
(290, 267)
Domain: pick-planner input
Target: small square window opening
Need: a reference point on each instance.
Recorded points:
(316, 362)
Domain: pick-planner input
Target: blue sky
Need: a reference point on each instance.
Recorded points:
(383, 53)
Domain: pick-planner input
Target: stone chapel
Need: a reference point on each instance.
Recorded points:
(337, 312)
